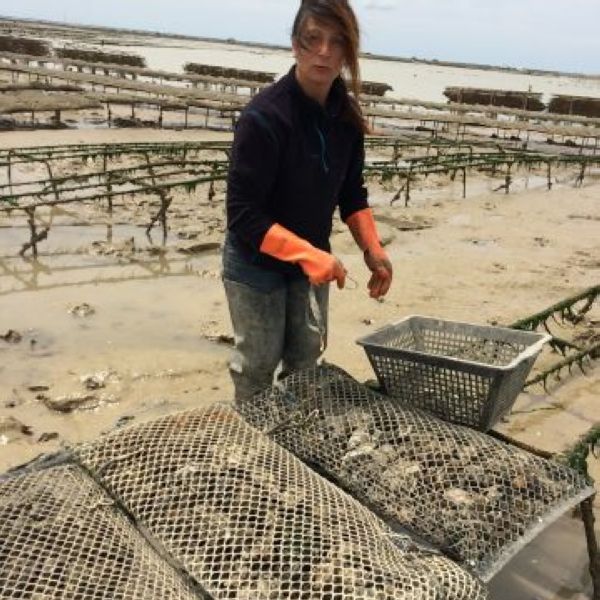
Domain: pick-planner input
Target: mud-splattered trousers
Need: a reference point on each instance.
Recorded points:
(294, 163)
(279, 321)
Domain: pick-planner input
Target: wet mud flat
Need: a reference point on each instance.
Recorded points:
(109, 321)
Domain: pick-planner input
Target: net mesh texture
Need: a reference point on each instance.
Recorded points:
(477, 499)
(62, 537)
(249, 521)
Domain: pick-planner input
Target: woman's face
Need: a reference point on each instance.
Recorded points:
(320, 51)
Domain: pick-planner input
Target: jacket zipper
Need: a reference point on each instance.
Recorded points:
(323, 149)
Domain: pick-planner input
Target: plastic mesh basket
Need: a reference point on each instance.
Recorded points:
(463, 373)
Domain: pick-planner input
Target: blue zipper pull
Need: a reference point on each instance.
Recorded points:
(323, 149)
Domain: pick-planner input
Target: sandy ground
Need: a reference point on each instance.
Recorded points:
(151, 340)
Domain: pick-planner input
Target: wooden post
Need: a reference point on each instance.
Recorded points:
(587, 516)
(508, 179)
(9, 171)
(34, 237)
(108, 186)
(407, 191)
(165, 203)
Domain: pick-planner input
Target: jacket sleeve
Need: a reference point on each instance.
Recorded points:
(353, 193)
(252, 172)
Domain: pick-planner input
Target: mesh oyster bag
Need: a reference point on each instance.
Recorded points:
(62, 537)
(477, 499)
(249, 521)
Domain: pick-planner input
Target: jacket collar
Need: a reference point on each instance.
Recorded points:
(336, 100)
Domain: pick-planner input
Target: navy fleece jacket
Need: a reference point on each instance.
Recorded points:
(293, 162)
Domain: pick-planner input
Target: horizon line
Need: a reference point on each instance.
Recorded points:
(363, 54)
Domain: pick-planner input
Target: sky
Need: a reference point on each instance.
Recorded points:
(544, 34)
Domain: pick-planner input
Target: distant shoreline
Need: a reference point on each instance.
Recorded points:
(232, 41)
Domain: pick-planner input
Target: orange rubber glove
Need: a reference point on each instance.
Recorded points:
(319, 266)
(363, 228)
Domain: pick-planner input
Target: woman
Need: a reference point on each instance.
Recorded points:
(298, 153)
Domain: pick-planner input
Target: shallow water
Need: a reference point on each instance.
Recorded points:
(408, 79)
(145, 329)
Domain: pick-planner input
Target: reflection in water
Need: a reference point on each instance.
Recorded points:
(59, 276)
(29, 278)
(78, 254)
(164, 230)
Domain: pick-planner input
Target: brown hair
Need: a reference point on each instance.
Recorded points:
(340, 14)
